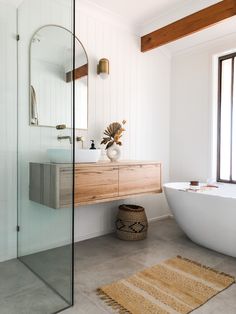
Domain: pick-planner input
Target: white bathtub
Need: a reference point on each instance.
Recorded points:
(208, 218)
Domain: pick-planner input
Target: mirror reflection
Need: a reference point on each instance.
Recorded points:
(51, 77)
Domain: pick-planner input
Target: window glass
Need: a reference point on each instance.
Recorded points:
(225, 129)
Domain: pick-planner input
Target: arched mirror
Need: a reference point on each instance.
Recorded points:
(51, 77)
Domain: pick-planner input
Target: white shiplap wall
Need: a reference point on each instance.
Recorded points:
(137, 90)
(8, 108)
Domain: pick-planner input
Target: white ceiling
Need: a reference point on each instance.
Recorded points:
(16, 3)
(220, 30)
(148, 15)
(137, 12)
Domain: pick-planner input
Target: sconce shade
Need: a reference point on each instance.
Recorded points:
(103, 68)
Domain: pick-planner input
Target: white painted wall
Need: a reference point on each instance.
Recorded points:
(8, 108)
(193, 110)
(138, 90)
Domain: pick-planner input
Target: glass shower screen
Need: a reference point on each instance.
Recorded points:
(45, 221)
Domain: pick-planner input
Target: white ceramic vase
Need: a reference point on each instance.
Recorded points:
(114, 152)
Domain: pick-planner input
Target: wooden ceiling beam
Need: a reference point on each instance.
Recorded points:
(79, 72)
(189, 25)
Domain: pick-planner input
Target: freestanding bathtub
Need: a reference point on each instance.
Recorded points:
(208, 218)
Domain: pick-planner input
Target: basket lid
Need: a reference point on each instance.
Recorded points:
(131, 208)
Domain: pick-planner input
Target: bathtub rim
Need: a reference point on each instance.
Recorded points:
(181, 185)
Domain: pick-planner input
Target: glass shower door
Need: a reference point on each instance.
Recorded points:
(45, 149)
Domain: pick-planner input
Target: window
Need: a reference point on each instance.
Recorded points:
(226, 159)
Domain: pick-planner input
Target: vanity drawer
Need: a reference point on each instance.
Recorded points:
(95, 183)
(139, 179)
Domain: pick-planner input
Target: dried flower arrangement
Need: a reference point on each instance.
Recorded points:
(113, 134)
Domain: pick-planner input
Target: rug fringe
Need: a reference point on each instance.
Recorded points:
(205, 267)
(111, 302)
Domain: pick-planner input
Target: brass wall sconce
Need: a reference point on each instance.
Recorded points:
(103, 68)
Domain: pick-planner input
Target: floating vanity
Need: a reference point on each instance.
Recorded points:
(51, 184)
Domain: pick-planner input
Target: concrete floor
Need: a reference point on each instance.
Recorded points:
(103, 260)
(21, 292)
(55, 267)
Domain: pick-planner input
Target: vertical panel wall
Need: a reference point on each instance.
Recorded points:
(138, 90)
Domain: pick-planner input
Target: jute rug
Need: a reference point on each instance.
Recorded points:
(177, 285)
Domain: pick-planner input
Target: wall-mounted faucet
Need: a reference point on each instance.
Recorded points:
(63, 137)
(80, 139)
(66, 137)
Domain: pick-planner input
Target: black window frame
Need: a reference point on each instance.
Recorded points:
(220, 61)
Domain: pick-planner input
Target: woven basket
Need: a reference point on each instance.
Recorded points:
(131, 223)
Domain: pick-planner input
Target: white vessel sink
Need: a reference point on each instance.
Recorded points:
(64, 155)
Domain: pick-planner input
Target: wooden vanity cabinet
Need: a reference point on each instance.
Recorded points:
(95, 183)
(51, 184)
(139, 179)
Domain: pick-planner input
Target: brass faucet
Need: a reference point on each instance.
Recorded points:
(80, 139)
(64, 137)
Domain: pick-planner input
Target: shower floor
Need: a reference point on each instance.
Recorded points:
(21, 292)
